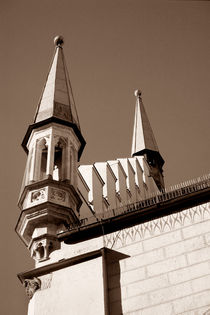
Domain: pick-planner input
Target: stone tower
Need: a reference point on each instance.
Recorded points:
(49, 201)
(144, 143)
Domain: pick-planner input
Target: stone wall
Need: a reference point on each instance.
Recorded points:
(165, 268)
(76, 290)
(161, 266)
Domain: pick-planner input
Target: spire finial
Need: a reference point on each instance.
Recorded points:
(137, 93)
(59, 41)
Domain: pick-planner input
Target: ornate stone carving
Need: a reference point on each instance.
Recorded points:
(43, 247)
(38, 195)
(161, 225)
(57, 194)
(31, 286)
(46, 281)
(60, 141)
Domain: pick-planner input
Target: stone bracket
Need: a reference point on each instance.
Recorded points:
(31, 286)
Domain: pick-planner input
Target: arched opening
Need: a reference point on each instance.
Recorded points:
(43, 164)
(59, 160)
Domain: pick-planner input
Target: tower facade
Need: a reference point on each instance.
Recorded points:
(49, 200)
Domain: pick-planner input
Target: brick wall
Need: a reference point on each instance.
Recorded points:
(165, 266)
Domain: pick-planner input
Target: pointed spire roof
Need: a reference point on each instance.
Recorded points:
(57, 101)
(143, 137)
(57, 98)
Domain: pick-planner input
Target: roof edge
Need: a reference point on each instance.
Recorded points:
(58, 121)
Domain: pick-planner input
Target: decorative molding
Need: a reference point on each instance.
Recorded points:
(46, 281)
(42, 248)
(57, 194)
(38, 195)
(31, 286)
(157, 226)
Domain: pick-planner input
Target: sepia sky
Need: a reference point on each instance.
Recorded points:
(112, 47)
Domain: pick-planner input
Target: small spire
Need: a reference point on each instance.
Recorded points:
(144, 143)
(143, 137)
(59, 41)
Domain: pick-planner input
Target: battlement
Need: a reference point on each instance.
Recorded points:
(156, 205)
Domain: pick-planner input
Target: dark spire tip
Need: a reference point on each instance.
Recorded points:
(137, 93)
(59, 41)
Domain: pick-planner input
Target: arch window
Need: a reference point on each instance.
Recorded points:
(59, 167)
(41, 159)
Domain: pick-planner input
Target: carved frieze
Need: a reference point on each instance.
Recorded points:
(161, 225)
(38, 195)
(57, 194)
(31, 286)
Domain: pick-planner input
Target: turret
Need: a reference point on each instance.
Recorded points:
(49, 200)
(144, 143)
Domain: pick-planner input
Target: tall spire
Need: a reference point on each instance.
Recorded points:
(143, 137)
(57, 102)
(49, 199)
(144, 142)
(57, 98)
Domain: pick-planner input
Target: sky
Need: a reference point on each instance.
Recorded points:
(112, 47)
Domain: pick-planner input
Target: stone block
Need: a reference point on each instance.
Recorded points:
(127, 277)
(198, 311)
(188, 273)
(196, 229)
(147, 285)
(143, 260)
(135, 303)
(166, 265)
(162, 240)
(162, 309)
(207, 238)
(184, 246)
(170, 293)
(133, 249)
(201, 284)
(192, 302)
(184, 304)
(199, 255)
